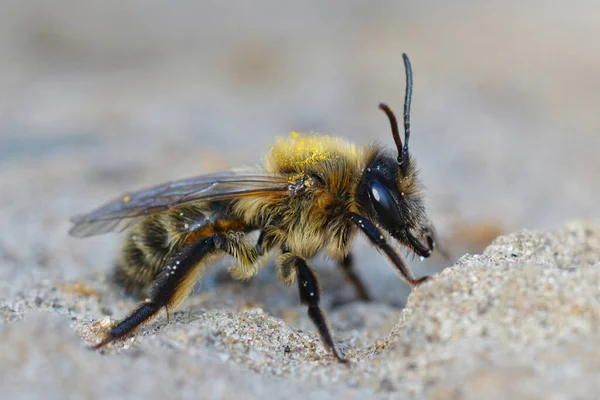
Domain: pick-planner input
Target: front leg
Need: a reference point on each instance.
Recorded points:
(290, 267)
(376, 237)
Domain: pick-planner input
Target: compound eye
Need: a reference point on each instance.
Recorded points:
(384, 204)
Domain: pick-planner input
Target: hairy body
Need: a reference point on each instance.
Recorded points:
(323, 174)
(312, 194)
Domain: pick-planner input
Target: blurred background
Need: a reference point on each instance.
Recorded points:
(101, 97)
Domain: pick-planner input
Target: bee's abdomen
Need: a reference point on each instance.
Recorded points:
(154, 240)
(143, 254)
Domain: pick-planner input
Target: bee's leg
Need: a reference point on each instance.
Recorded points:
(261, 243)
(376, 237)
(245, 253)
(170, 288)
(265, 243)
(290, 266)
(347, 265)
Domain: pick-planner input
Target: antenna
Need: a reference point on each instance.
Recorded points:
(407, 100)
(402, 150)
(395, 132)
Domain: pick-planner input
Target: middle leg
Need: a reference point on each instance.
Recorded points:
(290, 267)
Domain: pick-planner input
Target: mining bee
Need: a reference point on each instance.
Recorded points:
(313, 193)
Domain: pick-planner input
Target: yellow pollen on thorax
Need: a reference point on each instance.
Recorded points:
(300, 151)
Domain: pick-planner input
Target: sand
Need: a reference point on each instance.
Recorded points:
(520, 320)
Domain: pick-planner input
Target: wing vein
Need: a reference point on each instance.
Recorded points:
(121, 213)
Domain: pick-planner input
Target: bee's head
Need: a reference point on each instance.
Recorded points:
(389, 192)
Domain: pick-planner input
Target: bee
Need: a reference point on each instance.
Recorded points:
(313, 194)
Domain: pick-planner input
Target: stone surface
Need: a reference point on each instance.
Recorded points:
(520, 320)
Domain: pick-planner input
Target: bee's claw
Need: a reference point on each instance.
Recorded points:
(102, 343)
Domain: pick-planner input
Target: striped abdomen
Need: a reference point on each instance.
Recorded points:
(152, 242)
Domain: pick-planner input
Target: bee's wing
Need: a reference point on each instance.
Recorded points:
(123, 212)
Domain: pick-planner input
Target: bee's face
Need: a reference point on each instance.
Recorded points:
(390, 195)
(389, 191)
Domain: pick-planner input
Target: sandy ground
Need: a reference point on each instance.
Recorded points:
(520, 320)
(99, 98)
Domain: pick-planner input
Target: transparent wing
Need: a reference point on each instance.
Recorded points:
(125, 211)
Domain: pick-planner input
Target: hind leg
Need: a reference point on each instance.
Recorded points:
(177, 279)
(157, 239)
(172, 285)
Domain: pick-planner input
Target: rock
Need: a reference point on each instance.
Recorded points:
(519, 321)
